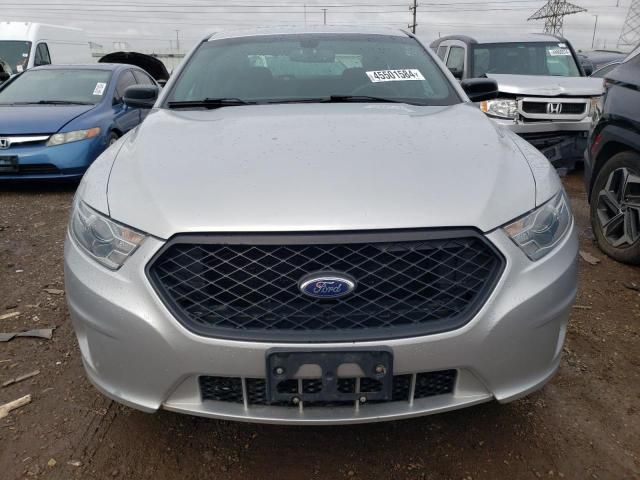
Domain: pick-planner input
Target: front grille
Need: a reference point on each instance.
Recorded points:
(230, 389)
(540, 108)
(408, 283)
(34, 169)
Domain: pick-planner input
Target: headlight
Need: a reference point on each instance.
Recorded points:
(68, 137)
(108, 242)
(502, 108)
(539, 231)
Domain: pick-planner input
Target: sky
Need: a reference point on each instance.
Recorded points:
(165, 25)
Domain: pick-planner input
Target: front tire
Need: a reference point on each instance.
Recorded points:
(112, 138)
(615, 208)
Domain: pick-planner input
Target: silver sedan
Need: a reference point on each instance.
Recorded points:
(317, 226)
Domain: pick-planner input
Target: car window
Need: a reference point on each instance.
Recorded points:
(442, 51)
(15, 54)
(125, 80)
(142, 78)
(278, 68)
(57, 85)
(600, 73)
(42, 55)
(529, 58)
(455, 60)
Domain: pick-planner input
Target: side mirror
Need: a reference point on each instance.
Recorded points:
(141, 96)
(162, 83)
(588, 69)
(456, 72)
(480, 89)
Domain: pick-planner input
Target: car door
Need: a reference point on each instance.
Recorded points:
(143, 79)
(125, 118)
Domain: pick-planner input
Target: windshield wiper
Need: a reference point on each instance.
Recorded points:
(362, 99)
(52, 102)
(209, 103)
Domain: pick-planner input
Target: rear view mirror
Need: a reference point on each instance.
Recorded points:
(312, 55)
(141, 96)
(480, 89)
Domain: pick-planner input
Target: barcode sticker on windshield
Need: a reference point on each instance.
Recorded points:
(99, 90)
(395, 75)
(557, 52)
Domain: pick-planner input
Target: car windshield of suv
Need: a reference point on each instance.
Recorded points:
(15, 54)
(56, 86)
(532, 58)
(308, 68)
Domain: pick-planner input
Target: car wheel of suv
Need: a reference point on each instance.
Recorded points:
(615, 208)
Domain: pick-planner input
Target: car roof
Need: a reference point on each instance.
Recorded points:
(506, 38)
(311, 29)
(86, 66)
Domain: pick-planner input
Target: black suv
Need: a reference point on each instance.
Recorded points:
(612, 164)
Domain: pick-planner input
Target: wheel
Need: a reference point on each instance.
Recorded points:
(615, 208)
(112, 138)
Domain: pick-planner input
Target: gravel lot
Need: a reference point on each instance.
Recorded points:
(584, 424)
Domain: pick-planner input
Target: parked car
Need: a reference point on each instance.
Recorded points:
(604, 70)
(26, 45)
(55, 120)
(544, 96)
(612, 164)
(317, 245)
(596, 59)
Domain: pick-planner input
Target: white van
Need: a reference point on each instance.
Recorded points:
(25, 44)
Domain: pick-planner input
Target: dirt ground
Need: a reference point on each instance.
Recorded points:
(584, 424)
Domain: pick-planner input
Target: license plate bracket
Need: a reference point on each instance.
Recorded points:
(8, 164)
(284, 368)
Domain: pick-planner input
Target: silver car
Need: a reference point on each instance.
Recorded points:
(317, 226)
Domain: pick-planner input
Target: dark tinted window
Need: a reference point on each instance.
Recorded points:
(313, 67)
(68, 85)
(534, 58)
(142, 78)
(42, 55)
(125, 80)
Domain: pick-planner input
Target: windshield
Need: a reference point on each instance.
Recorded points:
(15, 54)
(534, 58)
(53, 85)
(289, 68)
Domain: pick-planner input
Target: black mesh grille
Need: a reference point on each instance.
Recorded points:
(434, 383)
(229, 389)
(251, 291)
(541, 108)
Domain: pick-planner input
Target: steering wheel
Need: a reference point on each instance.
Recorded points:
(374, 89)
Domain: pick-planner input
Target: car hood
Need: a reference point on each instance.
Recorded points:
(318, 167)
(544, 86)
(36, 119)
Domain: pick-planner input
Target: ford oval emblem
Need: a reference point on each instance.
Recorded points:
(327, 285)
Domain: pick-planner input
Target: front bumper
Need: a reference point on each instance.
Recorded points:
(61, 162)
(135, 352)
(563, 143)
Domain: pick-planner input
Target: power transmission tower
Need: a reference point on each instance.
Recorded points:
(630, 35)
(553, 14)
(414, 8)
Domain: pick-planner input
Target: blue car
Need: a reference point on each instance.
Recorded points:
(56, 120)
